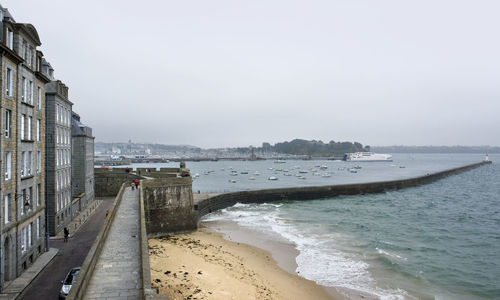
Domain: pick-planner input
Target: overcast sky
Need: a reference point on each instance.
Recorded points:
(239, 73)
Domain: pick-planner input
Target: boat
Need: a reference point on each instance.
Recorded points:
(251, 178)
(323, 167)
(272, 178)
(279, 161)
(367, 156)
(256, 173)
(326, 175)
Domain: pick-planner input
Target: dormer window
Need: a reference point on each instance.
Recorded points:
(10, 39)
(25, 51)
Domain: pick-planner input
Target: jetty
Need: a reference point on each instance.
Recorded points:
(117, 265)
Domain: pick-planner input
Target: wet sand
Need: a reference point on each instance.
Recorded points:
(204, 265)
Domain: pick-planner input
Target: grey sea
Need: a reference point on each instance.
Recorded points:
(436, 241)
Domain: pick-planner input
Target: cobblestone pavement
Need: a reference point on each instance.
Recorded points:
(117, 272)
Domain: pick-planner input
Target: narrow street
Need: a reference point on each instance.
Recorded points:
(71, 254)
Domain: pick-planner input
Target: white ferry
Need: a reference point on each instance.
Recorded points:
(367, 156)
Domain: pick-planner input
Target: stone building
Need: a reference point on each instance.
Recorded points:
(82, 145)
(57, 154)
(22, 147)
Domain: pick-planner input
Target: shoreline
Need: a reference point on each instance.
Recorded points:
(283, 252)
(205, 265)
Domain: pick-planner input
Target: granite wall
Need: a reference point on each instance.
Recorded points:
(168, 205)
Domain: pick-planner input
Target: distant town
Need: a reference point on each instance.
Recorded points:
(129, 152)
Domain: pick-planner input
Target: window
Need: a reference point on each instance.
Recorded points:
(9, 84)
(30, 119)
(38, 227)
(21, 203)
(24, 164)
(10, 38)
(30, 162)
(30, 228)
(8, 122)
(38, 129)
(24, 54)
(30, 98)
(39, 161)
(23, 240)
(23, 120)
(24, 89)
(39, 98)
(29, 198)
(8, 165)
(6, 207)
(38, 194)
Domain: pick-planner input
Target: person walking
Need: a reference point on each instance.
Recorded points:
(66, 234)
(132, 184)
(136, 182)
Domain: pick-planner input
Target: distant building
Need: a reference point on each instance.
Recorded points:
(22, 147)
(82, 161)
(57, 154)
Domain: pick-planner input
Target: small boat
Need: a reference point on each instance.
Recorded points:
(367, 156)
(232, 180)
(251, 178)
(352, 170)
(323, 167)
(244, 172)
(279, 161)
(301, 177)
(303, 172)
(196, 176)
(326, 175)
(273, 178)
(256, 173)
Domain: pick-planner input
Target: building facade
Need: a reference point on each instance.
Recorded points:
(58, 193)
(82, 145)
(22, 147)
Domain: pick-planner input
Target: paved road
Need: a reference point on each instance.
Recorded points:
(116, 274)
(71, 254)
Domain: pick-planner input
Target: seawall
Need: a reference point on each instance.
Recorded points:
(222, 201)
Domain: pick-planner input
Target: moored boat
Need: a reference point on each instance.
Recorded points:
(367, 156)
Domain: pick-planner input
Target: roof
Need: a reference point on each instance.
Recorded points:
(30, 31)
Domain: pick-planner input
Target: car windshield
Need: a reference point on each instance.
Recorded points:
(71, 277)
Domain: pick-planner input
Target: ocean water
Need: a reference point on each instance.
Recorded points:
(436, 241)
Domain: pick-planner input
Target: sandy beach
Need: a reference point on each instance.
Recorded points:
(204, 265)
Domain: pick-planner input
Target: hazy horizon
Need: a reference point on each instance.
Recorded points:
(242, 73)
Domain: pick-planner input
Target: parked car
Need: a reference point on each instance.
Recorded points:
(68, 282)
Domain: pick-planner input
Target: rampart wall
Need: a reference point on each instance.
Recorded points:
(109, 181)
(168, 205)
